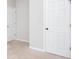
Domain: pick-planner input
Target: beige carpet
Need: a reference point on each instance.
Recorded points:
(20, 50)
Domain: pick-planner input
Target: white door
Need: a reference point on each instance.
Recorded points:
(58, 27)
(11, 24)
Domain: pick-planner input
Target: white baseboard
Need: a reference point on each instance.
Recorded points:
(59, 54)
(38, 49)
(22, 40)
(19, 40)
(8, 40)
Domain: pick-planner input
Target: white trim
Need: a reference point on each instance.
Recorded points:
(44, 24)
(19, 40)
(59, 54)
(38, 49)
(23, 40)
(10, 40)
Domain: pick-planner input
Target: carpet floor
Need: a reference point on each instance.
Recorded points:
(21, 50)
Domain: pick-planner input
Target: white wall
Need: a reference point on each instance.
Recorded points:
(11, 20)
(36, 23)
(22, 11)
(11, 3)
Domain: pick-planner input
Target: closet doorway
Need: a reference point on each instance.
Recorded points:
(18, 20)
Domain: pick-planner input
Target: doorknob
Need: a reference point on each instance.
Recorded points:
(70, 48)
(70, 25)
(46, 28)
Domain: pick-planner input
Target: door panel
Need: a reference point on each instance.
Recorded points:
(58, 23)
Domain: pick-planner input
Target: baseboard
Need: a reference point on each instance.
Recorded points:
(38, 49)
(22, 40)
(18, 40)
(10, 40)
(59, 54)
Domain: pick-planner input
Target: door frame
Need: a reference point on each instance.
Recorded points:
(44, 24)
